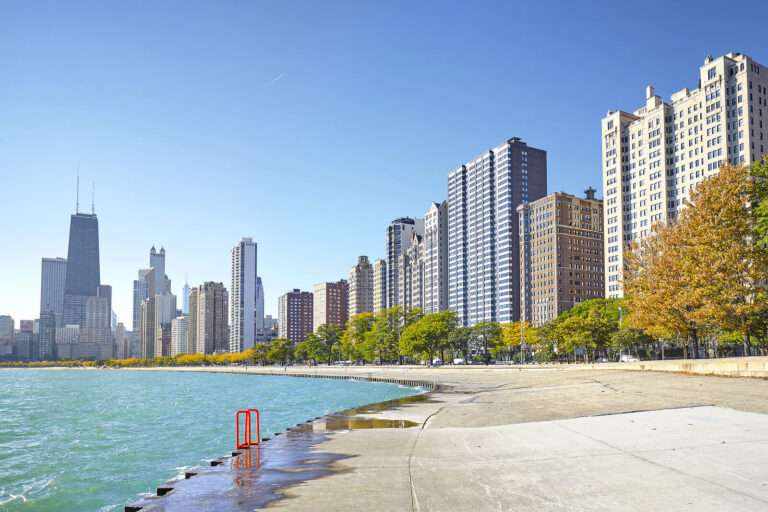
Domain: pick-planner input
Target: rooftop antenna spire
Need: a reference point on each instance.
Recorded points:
(93, 198)
(77, 203)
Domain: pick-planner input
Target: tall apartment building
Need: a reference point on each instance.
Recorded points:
(142, 289)
(399, 235)
(82, 272)
(361, 287)
(429, 274)
(483, 239)
(654, 157)
(208, 330)
(294, 315)
(246, 318)
(53, 274)
(329, 304)
(561, 254)
(147, 327)
(379, 286)
(179, 329)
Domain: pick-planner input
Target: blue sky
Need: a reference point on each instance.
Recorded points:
(305, 125)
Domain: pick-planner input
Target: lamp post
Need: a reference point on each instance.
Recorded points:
(621, 316)
(521, 342)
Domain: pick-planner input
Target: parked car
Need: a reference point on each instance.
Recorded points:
(628, 358)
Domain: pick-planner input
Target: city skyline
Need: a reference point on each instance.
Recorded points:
(183, 160)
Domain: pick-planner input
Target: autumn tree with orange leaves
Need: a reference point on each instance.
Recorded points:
(707, 268)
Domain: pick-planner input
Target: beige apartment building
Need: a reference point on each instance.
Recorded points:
(654, 157)
(379, 286)
(361, 287)
(561, 254)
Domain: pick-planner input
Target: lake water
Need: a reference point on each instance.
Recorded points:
(95, 440)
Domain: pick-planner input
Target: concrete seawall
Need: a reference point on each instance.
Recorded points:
(730, 367)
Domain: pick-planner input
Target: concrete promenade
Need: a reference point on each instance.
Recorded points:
(548, 439)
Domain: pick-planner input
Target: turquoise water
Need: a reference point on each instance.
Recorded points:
(95, 440)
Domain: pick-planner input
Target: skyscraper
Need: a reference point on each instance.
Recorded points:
(294, 315)
(655, 157)
(148, 330)
(157, 261)
(259, 314)
(329, 304)
(207, 329)
(244, 318)
(82, 276)
(361, 287)
(52, 278)
(46, 348)
(185, 299)
(483, 242)
(379, 286)
(179, 329)
(399, 235)
(142, 289)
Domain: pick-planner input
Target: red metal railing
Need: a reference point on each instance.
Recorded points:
(247, 433)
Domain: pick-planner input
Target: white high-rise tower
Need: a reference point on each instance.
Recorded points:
(247, 302)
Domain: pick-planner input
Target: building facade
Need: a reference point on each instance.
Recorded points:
(147, 327)
(82, 272)
(379, 286)
(361, 287)
(483, 252)
(179, 329)
(142, 290)
(46, 348)
(245, 318)
(561, 254)
(53, 275)
(399, 235)
(426, 264)
(212, 330)
(654, 157)
(294, 315)
(329, 304)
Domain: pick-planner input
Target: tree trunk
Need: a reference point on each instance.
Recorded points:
(695, 342)
(685, 347)
(747, 346)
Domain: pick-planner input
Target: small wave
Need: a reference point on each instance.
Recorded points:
(14, 497)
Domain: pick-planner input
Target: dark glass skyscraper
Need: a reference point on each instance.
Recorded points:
(83, 275)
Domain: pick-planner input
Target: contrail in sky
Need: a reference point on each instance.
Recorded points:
(278, 77)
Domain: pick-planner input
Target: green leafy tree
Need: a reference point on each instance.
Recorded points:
(460, 341)
(486, 336)
(428, 336)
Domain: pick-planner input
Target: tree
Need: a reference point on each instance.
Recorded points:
(511, 336)
(628, 338)
(353, 339)
(280, 351)
(329, 337)
(429, 335)
(486, 335)
(460, 340)
(709, 267)
(382, 341)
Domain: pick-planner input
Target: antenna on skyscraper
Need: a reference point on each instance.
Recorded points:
(77, 203)
(93, 198)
